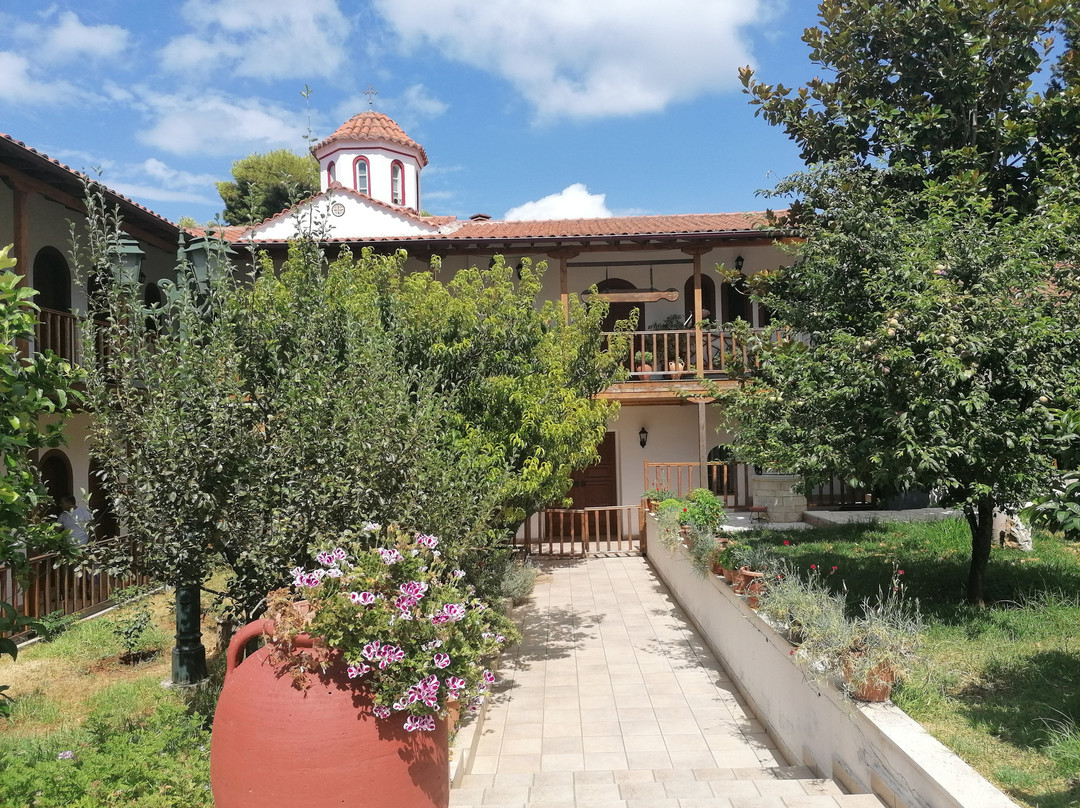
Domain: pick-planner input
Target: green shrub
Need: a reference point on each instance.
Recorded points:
(519, 580)
(703, 510)
(54, 624)
(160, 760)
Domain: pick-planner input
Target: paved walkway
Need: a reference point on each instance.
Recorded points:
(612, 699)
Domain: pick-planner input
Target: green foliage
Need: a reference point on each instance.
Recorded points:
(266, 415)
(935, 333)
(704, 510)
(34, 396)
(519, 580)
(131, 629)
(54, 624)
(948, 89)
(1059, 509)
(160, 760)
(266, 184)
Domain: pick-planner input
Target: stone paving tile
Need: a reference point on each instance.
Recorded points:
(610, 686)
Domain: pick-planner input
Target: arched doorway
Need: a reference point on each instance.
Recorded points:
(56, 476)
(52, 280)
(708, 300)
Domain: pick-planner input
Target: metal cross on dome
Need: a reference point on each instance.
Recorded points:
(371, 92)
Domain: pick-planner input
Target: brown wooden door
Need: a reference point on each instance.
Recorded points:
(594, 487)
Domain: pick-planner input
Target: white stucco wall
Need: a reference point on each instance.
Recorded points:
(358, 216)
(380, 156)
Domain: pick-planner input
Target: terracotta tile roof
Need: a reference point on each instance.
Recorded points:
(643, 228)
(63, 177)
(614, 226)
(372, 125)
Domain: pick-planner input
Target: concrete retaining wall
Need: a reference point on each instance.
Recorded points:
(867, 748)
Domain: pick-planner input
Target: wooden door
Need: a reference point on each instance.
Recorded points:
(595, 487)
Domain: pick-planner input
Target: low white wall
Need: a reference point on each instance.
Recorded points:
(867, 748)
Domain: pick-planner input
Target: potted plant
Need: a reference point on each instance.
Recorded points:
(643, 361)
(730, 558)
(366, 657)
(751, 581)
(806, 610)
(881, 643)
(656, 495)
(704, 510)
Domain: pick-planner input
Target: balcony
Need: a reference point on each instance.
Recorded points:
(672, 355)
(58, 331)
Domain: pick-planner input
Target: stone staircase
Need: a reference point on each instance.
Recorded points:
(775, 787)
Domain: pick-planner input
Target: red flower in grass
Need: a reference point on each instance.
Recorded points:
(786, 542)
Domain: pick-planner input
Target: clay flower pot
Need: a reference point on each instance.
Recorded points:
(750, 583)
(276, 743)
(876, 686)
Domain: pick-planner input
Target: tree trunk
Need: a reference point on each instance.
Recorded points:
(980, 518)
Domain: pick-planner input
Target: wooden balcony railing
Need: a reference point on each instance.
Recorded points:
(727, 479)
(59, 587)
(58, 331)
(581, 531)
(674, 353)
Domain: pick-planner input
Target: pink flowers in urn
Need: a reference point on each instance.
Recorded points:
(404, 622)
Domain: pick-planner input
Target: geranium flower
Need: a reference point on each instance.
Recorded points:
(381, 712)
(441, 660)
(422, 723)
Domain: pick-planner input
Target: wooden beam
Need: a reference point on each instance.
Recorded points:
(22, 234)
(703, 446)
(34, 186)
(633, 296)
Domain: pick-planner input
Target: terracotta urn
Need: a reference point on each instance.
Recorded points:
(275, 743)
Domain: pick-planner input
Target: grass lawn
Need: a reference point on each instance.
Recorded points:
(999, 685)
(88, 729)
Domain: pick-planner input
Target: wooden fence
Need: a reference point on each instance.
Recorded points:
(582, 531)
(672, 355)
(54, 586)
(728, 480)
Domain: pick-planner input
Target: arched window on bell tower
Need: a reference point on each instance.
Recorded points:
(361, 171)
(397, 183)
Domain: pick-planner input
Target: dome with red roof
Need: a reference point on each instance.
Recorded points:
(372, 155)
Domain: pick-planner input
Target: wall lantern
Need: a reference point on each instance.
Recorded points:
(739, 261)
(129, 261)
(643, 437)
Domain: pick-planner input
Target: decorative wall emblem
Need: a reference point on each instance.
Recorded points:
(337, 209)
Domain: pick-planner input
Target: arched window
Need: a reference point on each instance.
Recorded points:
(708, 299)
(52, 280)
(722, 470)
(331, 172)
(360, 175)
(397, 183)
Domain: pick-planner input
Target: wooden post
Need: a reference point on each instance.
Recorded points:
(703, 451)
(564, 287)
(699, 348)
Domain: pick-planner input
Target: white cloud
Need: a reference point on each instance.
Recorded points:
(572, 202)
(210, 123)
(575, 59)
(64, 37)
(148, 181)
(69, 39)
(263, 39)
(19, 86)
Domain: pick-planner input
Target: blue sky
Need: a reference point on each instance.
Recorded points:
(536, 108)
